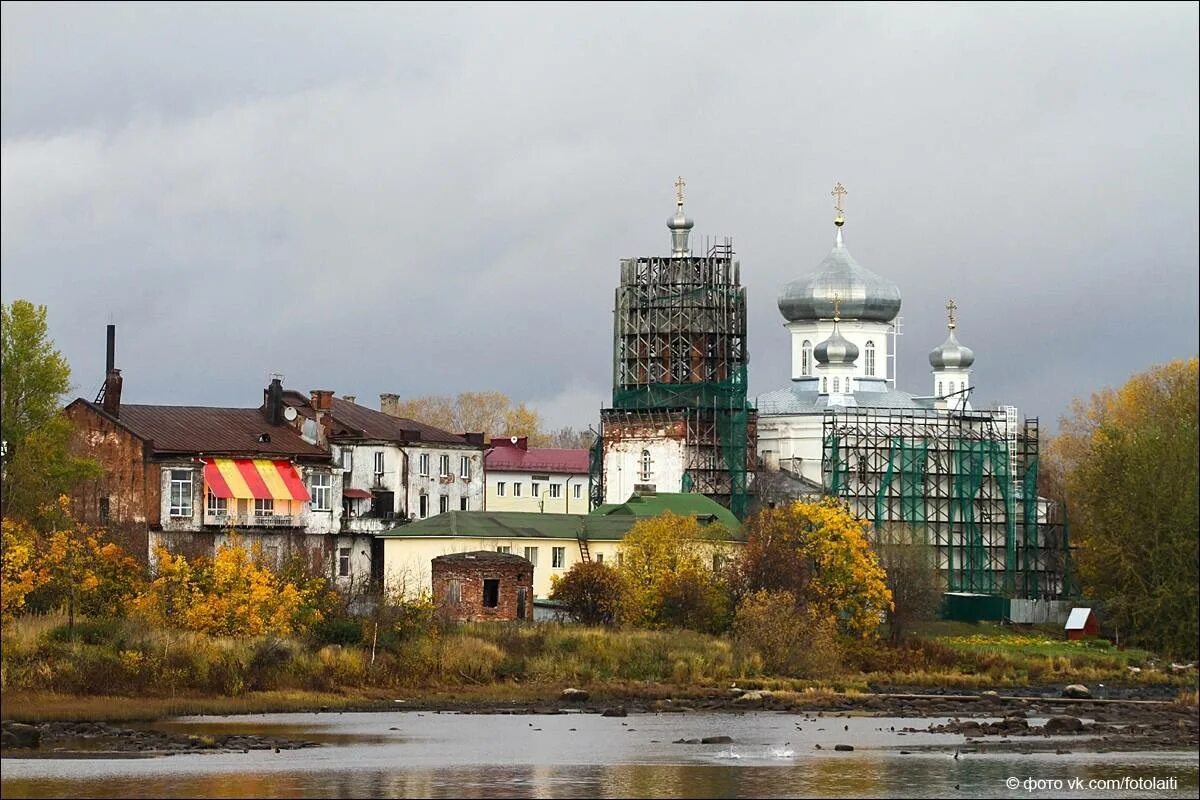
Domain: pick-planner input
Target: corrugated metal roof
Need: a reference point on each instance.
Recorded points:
(792, 401)
(372, 424)
(515, 525)
(683, 504)
(538, 459)
(215, 431)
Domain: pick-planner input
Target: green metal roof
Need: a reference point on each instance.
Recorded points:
(515, 525)
(683, 504)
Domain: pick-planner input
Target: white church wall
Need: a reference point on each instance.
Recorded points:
(856, 331)
(623, 466)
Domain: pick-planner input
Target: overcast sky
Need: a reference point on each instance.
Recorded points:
(432, 199)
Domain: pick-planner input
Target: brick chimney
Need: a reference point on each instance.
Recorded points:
(390, 404)
(349, 398)
(111, 402)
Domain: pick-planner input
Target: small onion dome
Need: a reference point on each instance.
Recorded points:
(679, 222)
(864, 295)
(837, 350)
(950, 354)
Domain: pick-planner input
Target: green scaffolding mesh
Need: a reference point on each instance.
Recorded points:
(1029, 524)
(973, 458)
(726, 401)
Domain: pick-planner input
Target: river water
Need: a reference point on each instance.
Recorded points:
(411, 754)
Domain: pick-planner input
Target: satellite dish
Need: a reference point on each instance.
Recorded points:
(289, 413)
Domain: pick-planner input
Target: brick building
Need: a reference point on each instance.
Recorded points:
(483, 585)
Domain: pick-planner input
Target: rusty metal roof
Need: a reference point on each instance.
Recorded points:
(202, 429)
(371, 424)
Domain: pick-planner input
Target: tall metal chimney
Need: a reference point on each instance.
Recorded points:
(112, 349)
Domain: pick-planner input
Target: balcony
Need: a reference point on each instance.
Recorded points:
(372, 523)
(221, 519)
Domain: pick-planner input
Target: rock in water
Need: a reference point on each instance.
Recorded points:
(18, 734)
(1077, 691)
(717, 740)
(1063, 725)
(844, 748)
(573, 695)
(615, 711)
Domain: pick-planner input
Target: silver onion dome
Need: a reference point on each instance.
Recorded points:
(837, 350)
(680, 225)
(950, 354)
(864, 295)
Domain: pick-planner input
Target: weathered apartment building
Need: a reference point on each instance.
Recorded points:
(311, 475)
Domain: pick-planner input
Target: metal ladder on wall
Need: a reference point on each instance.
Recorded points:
(584, 555)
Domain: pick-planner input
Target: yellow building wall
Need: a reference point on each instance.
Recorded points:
(566, 503)
(407, 569)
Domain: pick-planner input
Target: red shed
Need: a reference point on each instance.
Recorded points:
(1082, 623)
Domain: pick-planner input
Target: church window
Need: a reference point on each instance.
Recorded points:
(645, 470)
(940, 389)
(870, 353)
(806, 355)
(835, 386)
(824, 385)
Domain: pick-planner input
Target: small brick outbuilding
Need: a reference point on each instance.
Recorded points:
(483, 585)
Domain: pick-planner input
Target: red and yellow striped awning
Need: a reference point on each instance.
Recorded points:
(257, 479)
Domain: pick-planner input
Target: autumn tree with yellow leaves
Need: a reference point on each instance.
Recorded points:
(231, 594)
(820, 554)
(668, 577)
(1126, 463)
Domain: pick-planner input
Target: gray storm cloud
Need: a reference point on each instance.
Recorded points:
(431, 200)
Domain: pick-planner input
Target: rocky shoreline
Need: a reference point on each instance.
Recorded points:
(988, 721)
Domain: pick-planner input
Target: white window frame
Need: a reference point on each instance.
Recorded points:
(264, 507)
(806, 353)
(516, 488)
(444, 465)
(535, 489)
(578, 490)
(462, 503)
(836, 381)
(504, 548)
(423, 464)
(645, 466)
(423, 506)
(499, 488)
(343, 562)
(558, 557)
(443, 503)
(531, 555)
(181, 493)
(320, 489)
(347, 460)
(555, 490)
(464, 467)
(940, 389)
(217, 506)
(869, 352)
(379, 465)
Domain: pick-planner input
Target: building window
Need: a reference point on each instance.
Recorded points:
(319, 487)
(423, 506)
(443, 504)
(940, 389)
(423, 463)
(343, 562)
(454, 591)
(181, 493)
(848, 389)
(217, 506)
(578, 491)
(503, 548)
(444, 465)
(462, 504)
(806, 358)
(531, 555)
(824, 385)
(599, 558)
(835, 386)
(870, 353)
(499, 488)
(378, 463)
(558, 557)
(104, 509)
(464, 467)
(644, 472)
(516, 488)
(556, 490)
(535, 489)
(491, 592)
(264, 508)
(347, 460)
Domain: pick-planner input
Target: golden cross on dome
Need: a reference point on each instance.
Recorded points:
(950, 309)
(837, 307)
(839, 192)
(679, 184)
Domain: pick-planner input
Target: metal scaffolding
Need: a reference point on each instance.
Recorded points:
(679, 359)
(968, 479)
